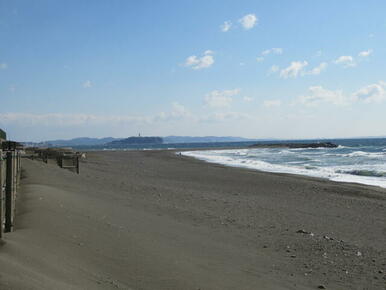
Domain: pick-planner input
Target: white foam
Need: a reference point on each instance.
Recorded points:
(342, 147)
(335, 173)
(366, 154)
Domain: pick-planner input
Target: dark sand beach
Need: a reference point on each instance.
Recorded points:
(156, 220)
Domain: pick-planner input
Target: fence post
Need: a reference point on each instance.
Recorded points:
(2, 182)
(9, 193)
(18, 167)
(15, 173)
(77, 164)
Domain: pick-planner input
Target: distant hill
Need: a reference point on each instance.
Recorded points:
(136, 141)
(110, 141)
(204, 139)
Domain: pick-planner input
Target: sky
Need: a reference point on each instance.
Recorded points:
(256, 69)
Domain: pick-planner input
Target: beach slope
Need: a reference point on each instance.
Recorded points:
(156, 220)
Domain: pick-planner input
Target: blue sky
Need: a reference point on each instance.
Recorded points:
(283, 69)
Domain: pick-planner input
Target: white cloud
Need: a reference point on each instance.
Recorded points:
(65, 120)
(273, 69)
(374, 93)
(277, 50)
(272, 103)
(220, 99)
(365, 53)
(247, 99)
(180, 113)
(226, 26)
(317, 95)
(205, 61)
(318, 69)
(3, 65)
(293, 70)
(87, 84)
(224, 116)
(177, 112)
(248, 21)
(265, 52)
(297, 68)
(274, 50)
(346, 61)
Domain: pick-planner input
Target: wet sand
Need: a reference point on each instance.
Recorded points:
(156, 220)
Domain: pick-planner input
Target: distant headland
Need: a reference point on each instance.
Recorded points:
(136, 141)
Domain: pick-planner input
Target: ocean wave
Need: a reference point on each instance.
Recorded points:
(308, 167)
(364, 154)
(372, 173)
(342, 147)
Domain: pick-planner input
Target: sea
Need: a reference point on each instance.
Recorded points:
(354, 160)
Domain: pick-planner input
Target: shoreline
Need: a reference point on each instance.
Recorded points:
(381, 189)
(296, 175)
(157, 220)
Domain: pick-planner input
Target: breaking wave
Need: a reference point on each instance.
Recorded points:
(366, 165)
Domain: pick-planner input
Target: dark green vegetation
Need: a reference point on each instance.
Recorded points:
(3, 135)
(137, 140)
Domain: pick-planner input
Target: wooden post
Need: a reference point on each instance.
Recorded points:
(77, 164)
(2, 201)
(18, 167)
(15, 173)
(9, 190)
